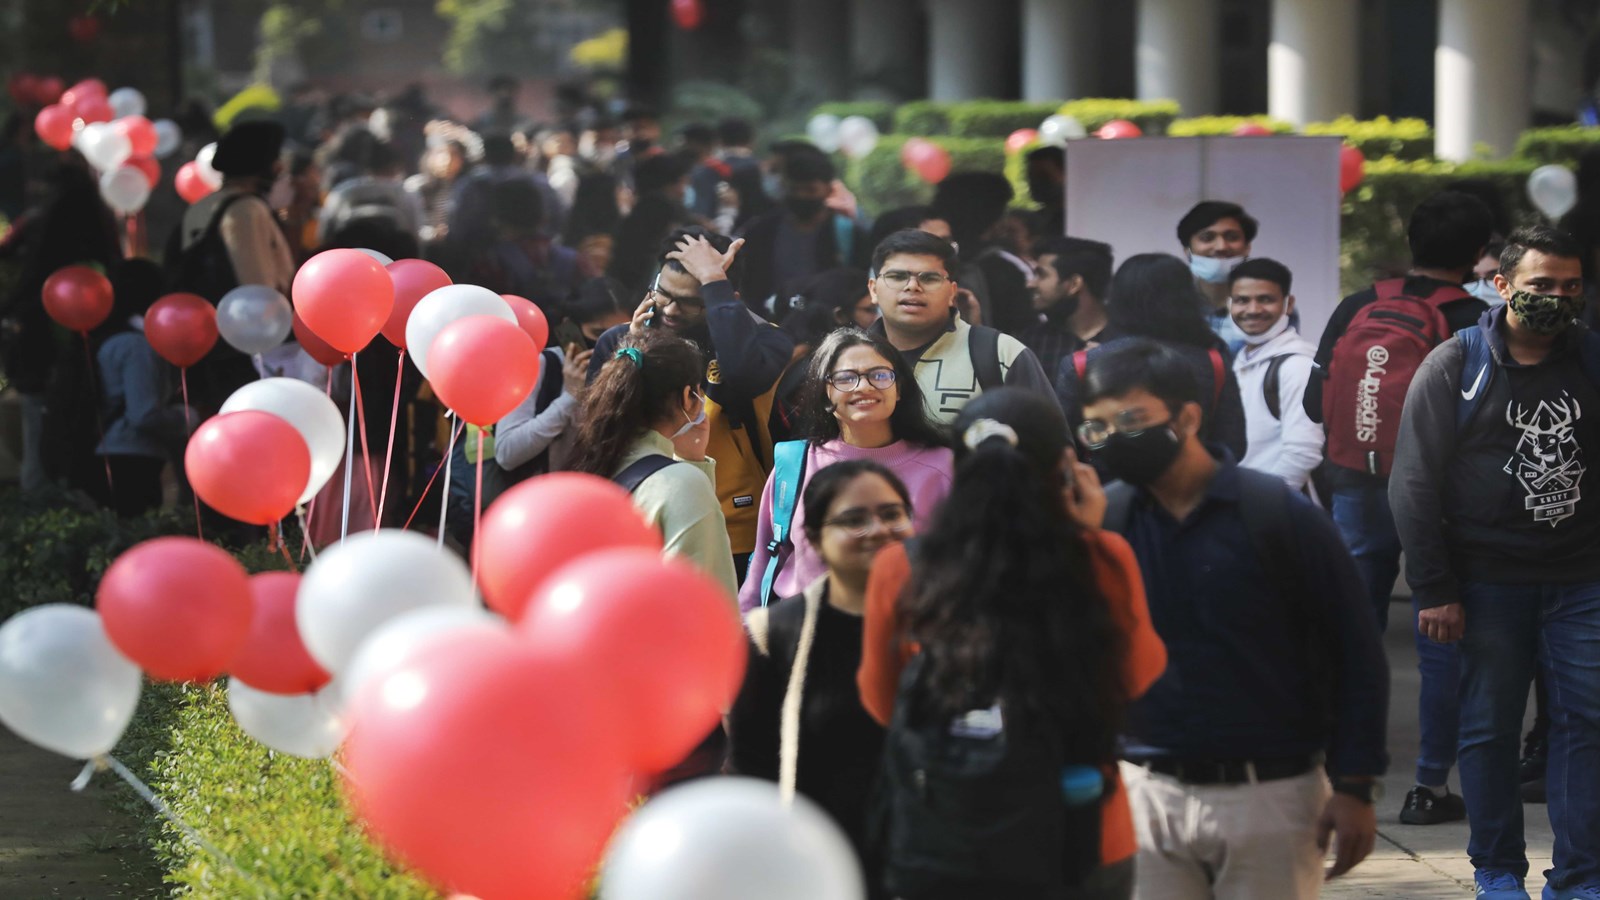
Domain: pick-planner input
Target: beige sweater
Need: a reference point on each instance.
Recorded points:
(256, 245)
(682, 502)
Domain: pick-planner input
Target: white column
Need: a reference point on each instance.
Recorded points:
(1176, 57)
(1060, 49)
(883, 52)
(1312, 62)
(1480, 74)
(966, 45)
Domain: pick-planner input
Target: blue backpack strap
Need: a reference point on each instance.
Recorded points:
(788, 470)
(844, 238)
(641, 469)
(1477, 372)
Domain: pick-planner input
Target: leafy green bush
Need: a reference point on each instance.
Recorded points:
(881, 182)
(921, 117)
(880, 112)
(1203, 126)
(1381, 137)
(708, 101)
(1556, 145)
(996, 118)
(1152, 116)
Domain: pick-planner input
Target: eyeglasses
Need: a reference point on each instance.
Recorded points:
(666, 298)
(1094, 433)
(881, 377)
(899, 278)
(858, 523)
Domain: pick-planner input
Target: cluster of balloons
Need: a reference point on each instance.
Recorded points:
(112, 133)
(855, 136)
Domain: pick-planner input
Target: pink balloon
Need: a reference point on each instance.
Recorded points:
(248, 465)
(344, 296)
(1116, 129)
(90, 87)
(191, 185)
(141, 134)
(54, 125)
(182, 328)
(926, 160)
(274, 658)
(92, 108)
(482, 367)
(531, 318)
(1251, 129)
(1020, 139)
(178, 607)
(413, 280)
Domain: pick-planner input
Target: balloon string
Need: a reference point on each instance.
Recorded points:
(435, 477)
(304, 515)
(283, 545)
(444, 492)
(147, 795)
(477, 507)
(394, 422)
(183, 383)
(366, 454)
(99, 416)
(349, 451)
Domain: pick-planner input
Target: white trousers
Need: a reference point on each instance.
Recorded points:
(1255, 841)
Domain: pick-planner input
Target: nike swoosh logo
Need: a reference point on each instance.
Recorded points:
(1476, 385)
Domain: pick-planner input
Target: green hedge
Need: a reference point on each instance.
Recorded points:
(998, 118)
(922, 118)
(993, 118)
(1206, 126)
(881, 182)
(881, 113)
(1556, 145)
(1381, 137)
(1152, 116)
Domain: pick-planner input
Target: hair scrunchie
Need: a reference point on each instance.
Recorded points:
(984, 429)
(633, 355)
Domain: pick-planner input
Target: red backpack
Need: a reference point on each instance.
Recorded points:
(1372, 366)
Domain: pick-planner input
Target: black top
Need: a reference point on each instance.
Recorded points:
(840, 744)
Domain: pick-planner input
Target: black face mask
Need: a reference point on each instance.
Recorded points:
(803, 208)
(1141, 457)
(1044, 191)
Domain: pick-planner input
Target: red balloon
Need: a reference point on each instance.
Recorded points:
(148, 167)
(482, 367)
(273, 658)
(489, 768)
(1352, 168)
(1020, 139)
(345, 296)
(141, 134)
(77, 297)
(83, 27)
(248, 465)
(689, 14)
(413, 280)
(531, 318)
(926, 160)
(182, 328)
(544, 523)
(316, 347)
(23, 88)
(93, 108)
(178, 607)
(47, 90)
(661, 636)
(54, 125)
(190, 183)
(1117, 129)
(1251, 129)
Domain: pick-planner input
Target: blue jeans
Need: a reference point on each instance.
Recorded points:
(1364, 521)
(1438, 706)
(1510, 630)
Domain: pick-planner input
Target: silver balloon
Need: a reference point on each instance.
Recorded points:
(823, 130)
(126, 101)
(254, 318)
(1058, 129)
(124, 189)
(730, 839)
(169, 137)
(1553, 190)
(63, 685)
(382, 259)
(304, 725)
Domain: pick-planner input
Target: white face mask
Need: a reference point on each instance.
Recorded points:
(1278, 327)
(1214, 269)
(692, 423)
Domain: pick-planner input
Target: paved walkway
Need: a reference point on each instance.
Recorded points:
(1423, 862)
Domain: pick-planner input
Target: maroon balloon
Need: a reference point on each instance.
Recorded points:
(182, 328)
(77, 297)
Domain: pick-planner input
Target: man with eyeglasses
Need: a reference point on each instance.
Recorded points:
(1275, 670)
(954, 361)
(693, 298)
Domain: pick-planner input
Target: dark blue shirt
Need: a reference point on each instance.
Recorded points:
(1238, 684)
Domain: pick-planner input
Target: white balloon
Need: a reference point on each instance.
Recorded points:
(823, 130)
(126, 101)
(309, 411)
(304, 725)
(447, 304)
(729, 839)
(356, 586)
(88, 134)
(169, 137)
(406, 635)
(104, 147)
(125, 189)
(63, 685)
(1553, 190)
(1058, 129)
(254, 318)
(857, 136)
(381, 258)
(208, 173)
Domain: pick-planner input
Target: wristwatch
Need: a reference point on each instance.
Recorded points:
(1367, 790)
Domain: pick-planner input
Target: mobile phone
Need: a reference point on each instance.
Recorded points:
(653, 321)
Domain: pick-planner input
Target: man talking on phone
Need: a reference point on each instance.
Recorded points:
(692, 296)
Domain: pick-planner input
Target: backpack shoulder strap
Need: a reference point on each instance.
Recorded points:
(641, 469)
(983, 343)
(844, 238)
(788, 471)
(1270, 386)
(1119, 506)
(1477, 371)
(550, 384)
(1219, 375)
(756, 623)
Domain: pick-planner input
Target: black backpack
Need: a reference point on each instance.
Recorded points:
(205, 268)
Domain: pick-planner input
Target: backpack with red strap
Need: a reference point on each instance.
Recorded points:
(1372, 366)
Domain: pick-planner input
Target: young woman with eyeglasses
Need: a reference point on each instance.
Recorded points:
(799, 719)
(860, 401)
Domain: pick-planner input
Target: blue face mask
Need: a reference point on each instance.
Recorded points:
(772, 185)
(1212, 269)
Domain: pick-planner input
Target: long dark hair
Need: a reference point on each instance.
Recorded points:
(628, 397)
(1002, 597)
(824, 486)
(1153, 295)
(909, 421)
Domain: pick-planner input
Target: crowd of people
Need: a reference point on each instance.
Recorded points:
(1063, 576)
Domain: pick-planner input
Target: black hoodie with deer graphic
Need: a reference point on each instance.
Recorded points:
(1507, 496)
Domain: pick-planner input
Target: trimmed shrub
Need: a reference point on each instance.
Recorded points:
(1381, 137)
(881, 113)
(1556, 145)
(881, 182)
(996, 118)
(1207, 126)
(921, 118)
(1152, 116)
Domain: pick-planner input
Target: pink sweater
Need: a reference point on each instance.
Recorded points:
(926, 472)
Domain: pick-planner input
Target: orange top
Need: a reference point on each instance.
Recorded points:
(1116, 571)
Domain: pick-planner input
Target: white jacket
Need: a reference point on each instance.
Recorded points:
(1289, 447)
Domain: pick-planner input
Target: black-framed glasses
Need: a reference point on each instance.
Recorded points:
(858, 522)
(1095, 432)
(880, 377)
(662, 298)
(899, 278)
